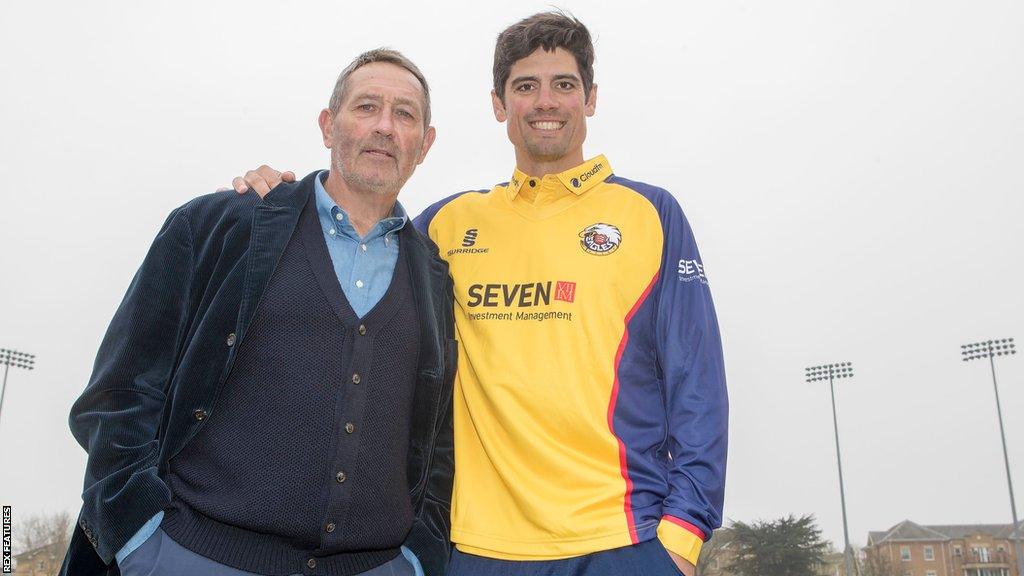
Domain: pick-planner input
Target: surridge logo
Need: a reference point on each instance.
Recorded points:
(468, 241)
(600, 239)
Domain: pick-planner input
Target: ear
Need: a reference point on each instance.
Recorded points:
(499, 107)
(326, 121)
(428, 141)
(591, 105)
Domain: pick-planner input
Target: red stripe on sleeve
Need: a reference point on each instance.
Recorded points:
(623, 467)
(684, 524)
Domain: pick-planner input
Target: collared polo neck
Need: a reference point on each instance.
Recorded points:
(551, 193)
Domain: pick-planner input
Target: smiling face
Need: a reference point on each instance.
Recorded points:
(545, 110)
(377, 135)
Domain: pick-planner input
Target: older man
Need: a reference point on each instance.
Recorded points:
(273, 394)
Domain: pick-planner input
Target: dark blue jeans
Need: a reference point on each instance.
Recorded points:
(162, 556)
(645, 559)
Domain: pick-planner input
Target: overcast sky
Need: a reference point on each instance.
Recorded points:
(852, 171)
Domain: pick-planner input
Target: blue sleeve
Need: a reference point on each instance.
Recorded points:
(690, 355)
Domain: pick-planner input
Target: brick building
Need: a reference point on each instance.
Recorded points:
(910, 549)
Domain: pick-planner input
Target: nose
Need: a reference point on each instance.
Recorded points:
(545, 99)
(385, 122)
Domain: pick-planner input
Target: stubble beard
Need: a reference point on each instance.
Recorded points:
(542, 150)
(375, 183)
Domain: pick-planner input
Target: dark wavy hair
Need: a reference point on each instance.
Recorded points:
(549, 30)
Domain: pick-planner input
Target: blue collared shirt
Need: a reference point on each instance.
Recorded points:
(364, 266)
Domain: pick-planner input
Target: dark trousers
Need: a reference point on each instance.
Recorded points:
(162, 556)
(645, 559)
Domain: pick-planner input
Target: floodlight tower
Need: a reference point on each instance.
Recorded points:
(990, 349)
(832, 372)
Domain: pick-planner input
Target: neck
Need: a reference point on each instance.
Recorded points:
(539, 167)
(364, 207)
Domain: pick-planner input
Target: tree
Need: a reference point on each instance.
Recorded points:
(45, 537)
(788, 546)
(714, 554)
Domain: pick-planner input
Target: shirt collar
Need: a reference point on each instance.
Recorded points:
(328, 210)
(577, 180)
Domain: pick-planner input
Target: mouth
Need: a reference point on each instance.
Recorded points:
(547, 125)
(378, 153)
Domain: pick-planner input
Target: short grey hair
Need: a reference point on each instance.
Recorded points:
(388, 56)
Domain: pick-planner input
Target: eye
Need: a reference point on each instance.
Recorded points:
(367, 107)
(565, 85)
(525, 87)
(405, 114)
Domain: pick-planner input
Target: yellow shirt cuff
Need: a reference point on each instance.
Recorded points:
(678, 539)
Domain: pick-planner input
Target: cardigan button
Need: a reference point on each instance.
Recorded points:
(311, 563)
(330, 527)
(200, 414)
(340, 477)
(362, 330)
(350, 427)
(231, 339)
(356, 379)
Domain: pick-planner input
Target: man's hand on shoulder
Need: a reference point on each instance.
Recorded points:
(262, 180)
(682, 563)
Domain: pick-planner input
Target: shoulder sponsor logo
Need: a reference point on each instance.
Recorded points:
(468, 243)
(690, 270)
(600, 239)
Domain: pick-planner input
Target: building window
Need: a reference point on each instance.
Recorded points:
(905, 553)
(929, 553)
(930, 573)
(958, 551)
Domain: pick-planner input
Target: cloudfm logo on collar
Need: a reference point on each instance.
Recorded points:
(600, 239)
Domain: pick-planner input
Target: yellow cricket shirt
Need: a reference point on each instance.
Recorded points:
(590, 400)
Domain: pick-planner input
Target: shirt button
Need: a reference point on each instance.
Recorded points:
(362, 247)
(356, 379)
(340, 477)
(330, 527)
(332, 231)
(359, 283)
(350, 427)
(231, 339)
(200, 414)
(362, 330)
(339, 217)
(311, 562)
(533, 183)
